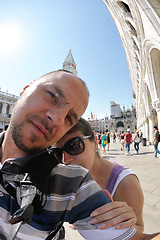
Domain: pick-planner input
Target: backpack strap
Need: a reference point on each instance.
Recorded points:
(26, 193)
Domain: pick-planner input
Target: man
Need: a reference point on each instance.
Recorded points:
(128, 139)
(156, 140)
(46, 110)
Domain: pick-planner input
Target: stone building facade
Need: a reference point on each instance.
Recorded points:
(119, 119)
(7, 102)
(138, 23)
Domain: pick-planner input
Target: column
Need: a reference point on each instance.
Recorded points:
(151, 132)
(144, 130)
(158, 116)
(147, 129)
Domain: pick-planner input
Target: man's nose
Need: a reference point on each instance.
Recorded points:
(57, 117)
(67, 159)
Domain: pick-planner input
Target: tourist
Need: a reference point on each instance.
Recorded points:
(128, 140)
(104, 142)
(136, 141)
(156, 141)
(108, 140)
(122, 140)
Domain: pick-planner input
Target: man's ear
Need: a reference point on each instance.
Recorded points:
(26, 87)
(24, 90)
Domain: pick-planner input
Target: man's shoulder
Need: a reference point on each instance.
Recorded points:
(72, 169)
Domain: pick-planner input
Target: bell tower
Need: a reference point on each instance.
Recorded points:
(69, 63)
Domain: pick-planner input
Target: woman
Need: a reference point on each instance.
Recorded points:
(136, 141)
(99, 141)
(104, 142)
(82, 149)
(108, 140)
(122, 140)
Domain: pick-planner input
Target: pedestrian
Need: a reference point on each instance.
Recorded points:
(99, 141)
(104, 142)
(114, 137)
(140, 135)
(108, 140)
(117, 179)
(156, 140)
(122, 140)
(136, 141)
(128, 141)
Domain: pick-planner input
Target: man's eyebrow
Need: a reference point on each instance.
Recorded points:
(59, 91)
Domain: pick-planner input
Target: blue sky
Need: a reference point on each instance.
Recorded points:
(36, 37)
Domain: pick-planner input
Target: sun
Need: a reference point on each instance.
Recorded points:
(11, 37)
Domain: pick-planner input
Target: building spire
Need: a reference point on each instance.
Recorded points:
(69, 63)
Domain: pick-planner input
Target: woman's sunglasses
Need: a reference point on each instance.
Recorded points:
(73, 146)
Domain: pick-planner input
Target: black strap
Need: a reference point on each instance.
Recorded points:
(26, 192)
(54, 232)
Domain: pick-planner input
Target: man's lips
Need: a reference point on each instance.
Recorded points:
(40, 128)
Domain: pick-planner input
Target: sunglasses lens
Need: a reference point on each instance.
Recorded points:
(74, 146)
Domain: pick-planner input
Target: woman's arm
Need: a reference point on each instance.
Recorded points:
(126, 210)
(129, 190)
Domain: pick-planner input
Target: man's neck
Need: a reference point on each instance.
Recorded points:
(9, 149)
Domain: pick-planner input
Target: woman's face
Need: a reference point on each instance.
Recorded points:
(84, 159)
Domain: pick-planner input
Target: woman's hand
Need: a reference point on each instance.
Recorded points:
(114, 214)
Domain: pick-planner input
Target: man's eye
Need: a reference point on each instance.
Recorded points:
(69, 120)
(52, 95)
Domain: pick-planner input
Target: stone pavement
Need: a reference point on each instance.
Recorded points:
(147, 169)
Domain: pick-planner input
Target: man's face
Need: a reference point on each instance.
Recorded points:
(47, 109)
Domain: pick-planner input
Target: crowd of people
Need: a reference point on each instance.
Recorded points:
(125, 140)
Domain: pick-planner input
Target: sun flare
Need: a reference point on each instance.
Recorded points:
(10, 37)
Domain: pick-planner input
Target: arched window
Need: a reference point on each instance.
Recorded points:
(1, 106)
(120, 124)
(7, 109)
(155, 58)
(124, 6)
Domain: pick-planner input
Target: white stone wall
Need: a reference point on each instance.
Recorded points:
(138, 23)
(8, 101)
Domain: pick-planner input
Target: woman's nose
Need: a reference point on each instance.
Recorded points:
(67, 159)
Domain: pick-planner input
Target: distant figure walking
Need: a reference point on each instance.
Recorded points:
(104, 142)
(114, 137)
(99, 141)
(156, 140)
(141, 135)
(128, 140)
(122, 140)
(108, 140)
(136, 142)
